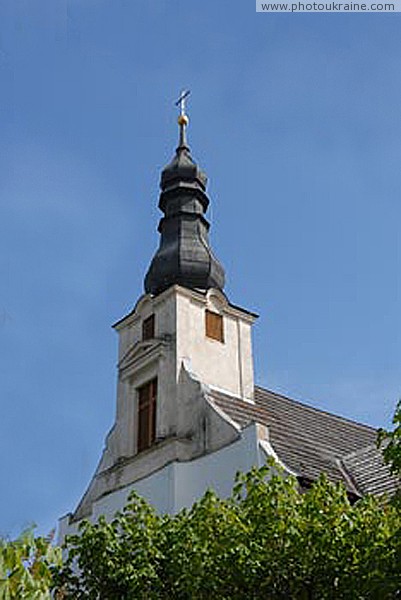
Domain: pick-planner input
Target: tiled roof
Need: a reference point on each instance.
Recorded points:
(311, 441)
(370, 474)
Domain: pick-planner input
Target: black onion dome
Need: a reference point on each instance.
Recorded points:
(183, 167)
(184, 256)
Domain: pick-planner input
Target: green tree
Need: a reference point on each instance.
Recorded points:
(26, 566)
(267, 540)
(390, 441)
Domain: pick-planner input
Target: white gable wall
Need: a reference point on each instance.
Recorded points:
(196, 447)
(180, 484)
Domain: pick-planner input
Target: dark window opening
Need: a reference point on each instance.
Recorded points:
(214, 326)
(148, 328)
(147, 415)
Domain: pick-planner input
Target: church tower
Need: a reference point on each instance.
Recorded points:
(182, 339)
(188, 415)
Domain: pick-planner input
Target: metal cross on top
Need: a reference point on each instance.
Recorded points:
(182, 118)
(181, 101)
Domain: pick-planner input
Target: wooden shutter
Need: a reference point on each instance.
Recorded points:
(147, 414)
(148, 328)
(214, 326)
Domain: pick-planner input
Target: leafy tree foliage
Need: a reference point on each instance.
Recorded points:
(267, 541)
(26, 567)
(391, 442)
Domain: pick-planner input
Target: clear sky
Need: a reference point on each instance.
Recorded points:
(296, 120)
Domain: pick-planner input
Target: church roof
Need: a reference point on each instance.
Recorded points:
(310, 441)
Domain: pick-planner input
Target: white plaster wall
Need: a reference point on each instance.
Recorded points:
(227, 365)
(157, 489)
(160, 364)
(187, 424)
(180, 332)
(180, 484)
(165, 313)
(245, 355)
(180, 318)
(217, 470)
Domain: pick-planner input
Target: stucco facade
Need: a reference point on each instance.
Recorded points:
(196, 444)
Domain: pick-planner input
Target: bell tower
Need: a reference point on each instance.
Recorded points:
(182, 340)
(184, 320)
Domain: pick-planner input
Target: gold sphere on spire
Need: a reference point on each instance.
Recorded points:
(183, 120)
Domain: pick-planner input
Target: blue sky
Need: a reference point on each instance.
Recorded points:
(296, 120)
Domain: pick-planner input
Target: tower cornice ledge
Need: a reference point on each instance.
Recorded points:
(200, 296)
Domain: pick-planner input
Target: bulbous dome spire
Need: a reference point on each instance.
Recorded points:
(184, 256)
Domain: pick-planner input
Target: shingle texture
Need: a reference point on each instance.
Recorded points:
(311, 441)
(370, 474)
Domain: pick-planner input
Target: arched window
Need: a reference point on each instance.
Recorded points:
(147, 395)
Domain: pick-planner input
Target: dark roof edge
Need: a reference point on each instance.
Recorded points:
(131, 312)
(248, 312)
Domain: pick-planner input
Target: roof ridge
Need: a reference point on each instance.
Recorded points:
(362, 450)
(348, 477)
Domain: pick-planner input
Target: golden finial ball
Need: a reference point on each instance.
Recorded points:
(183, 120)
